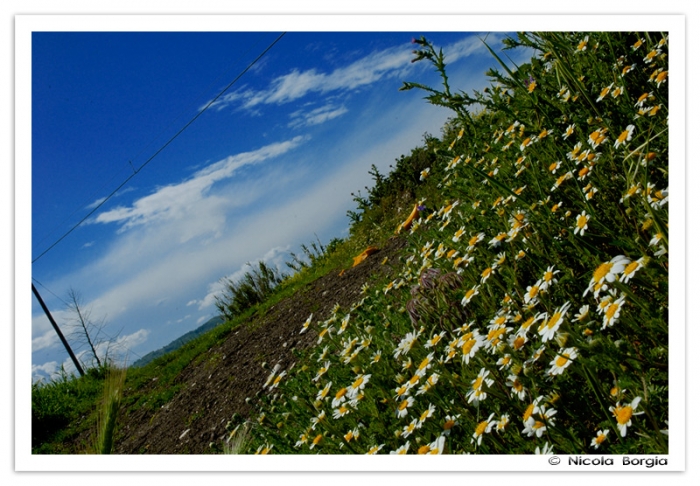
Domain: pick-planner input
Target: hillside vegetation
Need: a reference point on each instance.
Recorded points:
(526, 313)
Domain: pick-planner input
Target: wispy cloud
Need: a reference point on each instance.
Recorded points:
(172, 201)
(392, 62)
(316, 116)
(296, 83)
(49, 369)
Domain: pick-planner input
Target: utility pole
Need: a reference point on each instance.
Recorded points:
(58, 331)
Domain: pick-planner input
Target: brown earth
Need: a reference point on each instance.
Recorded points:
(217, 386)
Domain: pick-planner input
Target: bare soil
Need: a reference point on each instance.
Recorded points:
(216, 387)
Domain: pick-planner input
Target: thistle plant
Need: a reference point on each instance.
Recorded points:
(530, 314)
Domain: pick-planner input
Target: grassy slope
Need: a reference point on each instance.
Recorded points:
(61, 420)
(627, 357)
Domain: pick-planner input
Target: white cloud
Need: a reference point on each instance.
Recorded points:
(174, 201)
(316, 116)
(391, 62)
(96, 203)
(40, 372)
(118, 350)
(45, 340)
(43, 334)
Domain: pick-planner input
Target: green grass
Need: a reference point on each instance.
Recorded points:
(59, 409)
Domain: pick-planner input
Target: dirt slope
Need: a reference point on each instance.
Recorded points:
(217, 386)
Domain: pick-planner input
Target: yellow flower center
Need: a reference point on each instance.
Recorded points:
(448, 425)
(481, 427)
(600, 439)
(631, 267)
(623, 414)
(528, 412)
(623, 136)
(403, 405)
(526, 325)
(340, 393)
(495, 335)
(611, 310)
(562, 360)
(601, 272)
(467, 347)
(477, 383)
(486, 272)
(553, 320)
(518, 343)
(318, 439)
(581, 221)
(423, 449)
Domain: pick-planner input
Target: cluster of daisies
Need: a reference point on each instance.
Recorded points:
(472, 345)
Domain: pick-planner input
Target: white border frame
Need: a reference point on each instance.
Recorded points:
(25, 25)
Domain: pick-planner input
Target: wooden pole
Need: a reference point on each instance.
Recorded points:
(58, 331)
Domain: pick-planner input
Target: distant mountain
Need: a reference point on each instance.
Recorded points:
(179, 342)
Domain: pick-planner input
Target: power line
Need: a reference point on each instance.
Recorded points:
(50, 291)
(99, 190)
(136, 171)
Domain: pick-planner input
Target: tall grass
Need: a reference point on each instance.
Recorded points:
(103, 439)
(530, 312)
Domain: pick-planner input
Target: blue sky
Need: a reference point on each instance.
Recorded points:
(267, 167)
